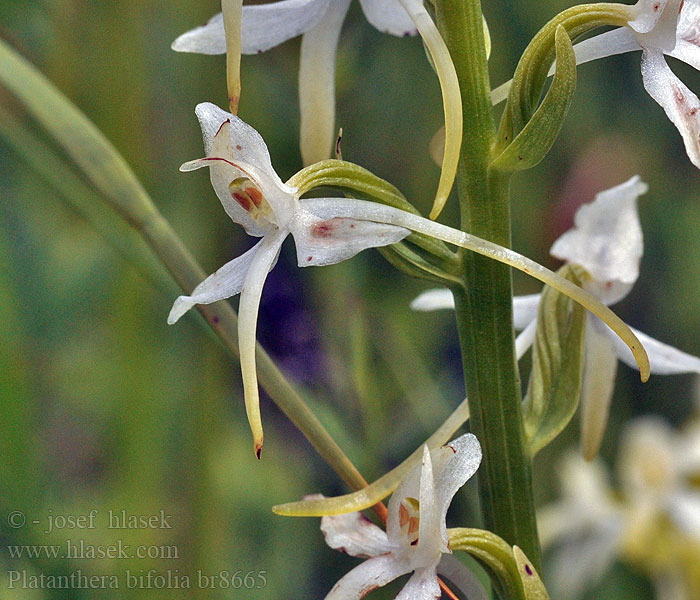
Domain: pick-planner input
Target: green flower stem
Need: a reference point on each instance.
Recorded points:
(484, 303)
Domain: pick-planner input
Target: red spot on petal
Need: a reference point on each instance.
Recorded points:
(528, 570)
(608, 285)
(239, 147)
(656, 7)
(323, 229)
(309, 258)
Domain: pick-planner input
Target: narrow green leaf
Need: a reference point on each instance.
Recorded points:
(557, 364)
(537, 137)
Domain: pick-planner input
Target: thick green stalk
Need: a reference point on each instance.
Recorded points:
(484, 303)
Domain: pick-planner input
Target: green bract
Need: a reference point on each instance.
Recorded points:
(557, 365)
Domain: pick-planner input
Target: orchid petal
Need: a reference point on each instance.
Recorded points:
(688, 52)
(317, 84)
(600, 364)
(610, 43)
(265, 257)
(226, 282)
(451, 98)
(680, 104)
(382, 487)
(525, 310)
(371, 211)
(461, 577)
(664, 359)
(663, 15)
(429, 543)
(606, 240)
(355, 535)
(207, 39)
(685, 511)
(329, 241)
(408, 488)
(423, 585)
(437, 299)
(455, 473)
(525, 340)
(388, 16)
(264, 26)
(368, 576)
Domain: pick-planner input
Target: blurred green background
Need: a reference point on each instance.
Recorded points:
(104, 407)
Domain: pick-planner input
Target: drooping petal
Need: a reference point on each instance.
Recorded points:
(451, 99)
(388, 16)
(266, 255)
(600, 365)
(317, 84)
(371, 211)
(226, 282)
(607, 240)
(264, 26)
(329, 241)
(461, 577)
(354, 534)
(423, 585)
(367, 576)
(525, 310)
(455, 473)
(437, 299)
(663, 359)
(680, 104)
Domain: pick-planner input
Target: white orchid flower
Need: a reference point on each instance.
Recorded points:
(593, 524)
(416, 536)
(319, 22)
(265, 26)
(254, 196)
(606, 241)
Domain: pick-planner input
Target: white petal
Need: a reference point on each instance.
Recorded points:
(461, 577)
(368, 576)
(525, 310)
(408, 488)
(688, 30)
(265, 257)
(389, 17)
(680, 104)
(354, 534)
(455, 473)
(264, 26)
(656, 23)
(423, 585)
(525, 340)
(329, 241)
(430, 544)
(437, 299)
(664, 359)
(317, 84)
(207, 39)
(688, 52)
(685, 512)
(268, 25)
(610, 43)
(600, 365)
(607, 240)
(226, 282)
